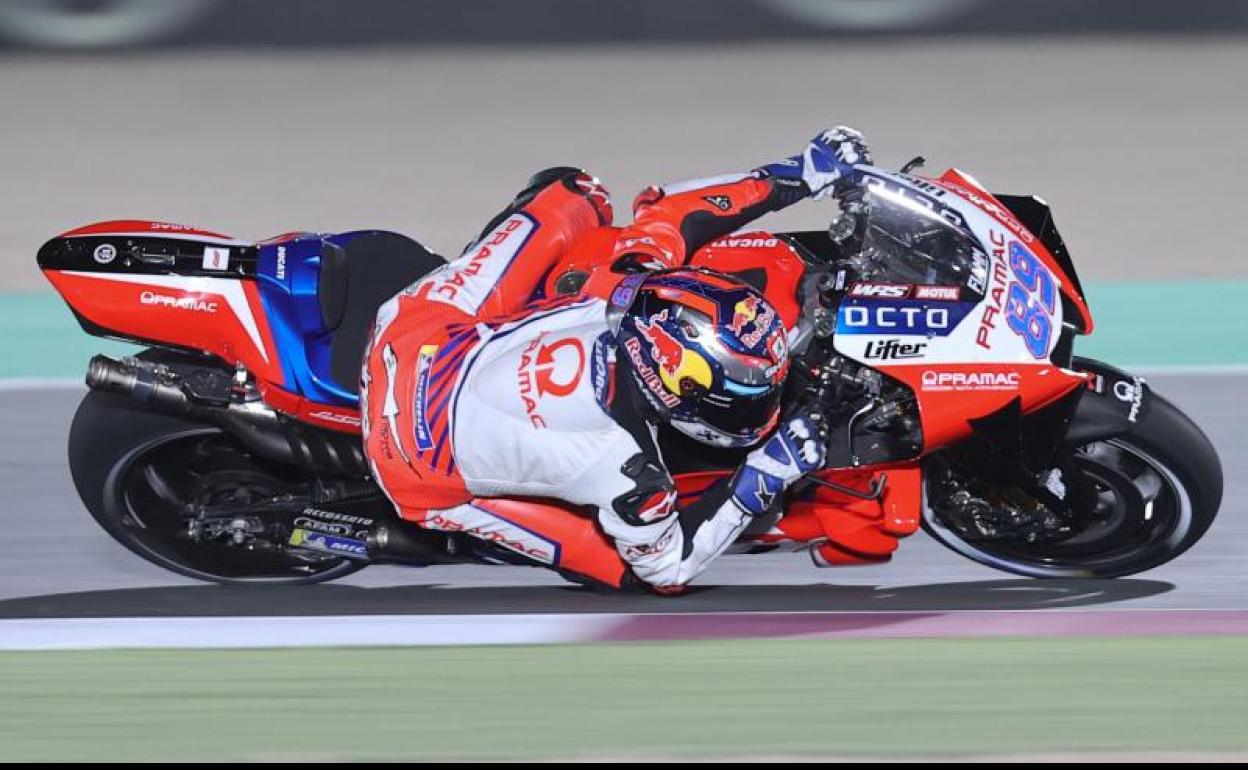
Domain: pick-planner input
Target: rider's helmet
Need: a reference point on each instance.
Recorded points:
(707, 350)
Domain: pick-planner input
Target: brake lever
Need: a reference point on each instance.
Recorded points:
(874, 491)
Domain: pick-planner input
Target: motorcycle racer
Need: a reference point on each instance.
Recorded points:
(472, 390)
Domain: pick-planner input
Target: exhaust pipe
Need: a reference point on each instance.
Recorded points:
(408, 544)
(144, 384)
(260, 429)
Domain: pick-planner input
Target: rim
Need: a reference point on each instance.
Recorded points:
(1140, 517)
(149, 488)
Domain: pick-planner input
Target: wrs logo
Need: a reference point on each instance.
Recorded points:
(549, 370)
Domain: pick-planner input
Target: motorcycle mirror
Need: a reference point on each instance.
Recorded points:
(916, 162)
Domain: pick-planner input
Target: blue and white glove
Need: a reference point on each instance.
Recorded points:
(794, 450)
(827, 164)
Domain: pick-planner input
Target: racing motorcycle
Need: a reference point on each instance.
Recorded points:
(932, 327)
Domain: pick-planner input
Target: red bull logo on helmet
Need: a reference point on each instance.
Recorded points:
(676, 362)
(751, 311)
(744, 312)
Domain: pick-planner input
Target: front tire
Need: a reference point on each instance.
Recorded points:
(135, 470)
(1158, 488)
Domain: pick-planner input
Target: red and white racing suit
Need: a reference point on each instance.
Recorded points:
(472, 393)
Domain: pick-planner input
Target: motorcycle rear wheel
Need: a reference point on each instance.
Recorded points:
(136, 470)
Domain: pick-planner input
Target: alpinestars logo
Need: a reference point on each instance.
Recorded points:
(721, 202)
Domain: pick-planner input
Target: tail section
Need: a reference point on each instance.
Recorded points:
(164, 284)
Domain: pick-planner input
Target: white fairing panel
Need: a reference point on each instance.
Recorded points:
(1018, 320)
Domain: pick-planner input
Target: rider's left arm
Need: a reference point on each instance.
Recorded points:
(667, 544)
(672, 222)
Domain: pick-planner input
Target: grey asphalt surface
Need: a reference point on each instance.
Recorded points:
(55, 561)
(1137, 143)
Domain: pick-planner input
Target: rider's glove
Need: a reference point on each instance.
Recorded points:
(795, 449)
(827, 164)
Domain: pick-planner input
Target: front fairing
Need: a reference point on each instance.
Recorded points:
(959, 249)
(954, 298)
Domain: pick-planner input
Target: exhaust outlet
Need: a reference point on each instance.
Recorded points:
(141, 383)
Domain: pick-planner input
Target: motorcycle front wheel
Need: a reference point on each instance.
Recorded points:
(1156, 490)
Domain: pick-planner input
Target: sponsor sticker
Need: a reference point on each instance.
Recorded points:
(648, 375)
(943, 293)
(964, 381)
(898, 317)
(341, 418)
(492, 528)
(893, 349)
(104, 253)
(192, 303)
(424, 364)
(328, 527)
(327, 543)
(994, 305)
(881, 290)
(553, 369)
(1131, 392)
(216, 258)
(746, 243)
(467, 282)
(600, 368)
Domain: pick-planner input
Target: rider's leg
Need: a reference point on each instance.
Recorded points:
(549, 534)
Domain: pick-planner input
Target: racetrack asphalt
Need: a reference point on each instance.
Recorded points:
(56, 562)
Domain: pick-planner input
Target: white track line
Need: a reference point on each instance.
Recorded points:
(326, 631)
(41, 383)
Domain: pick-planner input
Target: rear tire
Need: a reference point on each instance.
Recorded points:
(115, 454)
(1167, 478)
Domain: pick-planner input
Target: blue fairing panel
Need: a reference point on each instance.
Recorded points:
(288, 274)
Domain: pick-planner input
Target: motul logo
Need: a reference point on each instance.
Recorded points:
(970, 380)
(178, 303)
(948, 293)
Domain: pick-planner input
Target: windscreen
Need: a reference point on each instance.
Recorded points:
(908, 240)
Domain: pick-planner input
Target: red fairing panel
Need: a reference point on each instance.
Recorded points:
(218, 315)
(148, 229)
(967, 188)
(949, 394)
(759, 250)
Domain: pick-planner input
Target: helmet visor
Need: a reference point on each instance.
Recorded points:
(745, 412)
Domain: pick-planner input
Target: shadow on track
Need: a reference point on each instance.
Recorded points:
(216, 601)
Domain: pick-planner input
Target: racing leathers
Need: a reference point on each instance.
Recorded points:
(473, 392)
